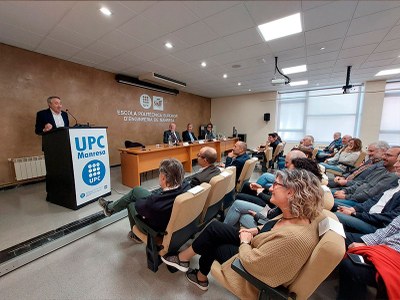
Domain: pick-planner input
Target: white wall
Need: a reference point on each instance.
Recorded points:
(246, 113)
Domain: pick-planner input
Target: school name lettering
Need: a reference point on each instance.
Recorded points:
(145, 116)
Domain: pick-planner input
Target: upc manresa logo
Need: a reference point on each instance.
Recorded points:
(93, 172)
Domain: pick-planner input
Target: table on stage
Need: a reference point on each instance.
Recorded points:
(138, 160)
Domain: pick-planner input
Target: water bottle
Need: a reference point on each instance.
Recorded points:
(170, 142)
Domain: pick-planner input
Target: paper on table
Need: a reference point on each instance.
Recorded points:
(195, 190)
(331, 224)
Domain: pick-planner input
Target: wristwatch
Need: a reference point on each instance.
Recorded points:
(245, 242)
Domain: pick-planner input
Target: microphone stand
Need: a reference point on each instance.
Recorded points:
(76, 121)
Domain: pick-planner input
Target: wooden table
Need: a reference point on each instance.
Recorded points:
(137, 160)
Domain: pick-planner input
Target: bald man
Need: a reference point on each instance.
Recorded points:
(237, 158)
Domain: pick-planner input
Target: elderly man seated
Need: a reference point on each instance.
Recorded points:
(329, 151)
(237, 158)
(306, 145)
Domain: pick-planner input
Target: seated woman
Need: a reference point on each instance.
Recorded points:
(275, 252)
(250, 215)
(344, 158)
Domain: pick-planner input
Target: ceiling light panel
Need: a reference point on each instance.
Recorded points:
(296, 83)
(388, 72)
(105, 11)
(293, 70)
(281, 27)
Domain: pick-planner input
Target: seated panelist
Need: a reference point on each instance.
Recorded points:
(51, 118)
(175, 137)
(188, 135)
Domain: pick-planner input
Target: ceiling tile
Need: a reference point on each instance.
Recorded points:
(370, 7)
(365, 38)
(204, 50)
(165, 13)
(49, 45)
(147, 53)
(388, 46)
(86, 19)
(314, 59)
(143, 29)
(244, 38)
(306, 5)
(106, 50)
(288, 42)
(377, 63)
(383, 55)
(90, 57)
(203, 9)
(394, 33)
(267, 11)
(332, 13)
(67, 36)
(14, 33)
(232, 20)
(357, 51)
(195, 34)
(36, 16)
(138, 6)
(333, 45)
(121, 40)
(326, 33)
(375, 21)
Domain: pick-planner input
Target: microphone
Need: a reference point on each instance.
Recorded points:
(76, 121)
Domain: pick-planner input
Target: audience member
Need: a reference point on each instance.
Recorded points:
(375, 213)
(375, 153)
(346, 158)
(258, 193)
(378, 181)
(274, 253)
(51, 118)
(175, 138)
(330, 150)
(272, 141)
(188, 135)
(237, 157)
(250, 215)
(306, 145)
(381, 253)
(154, 208)
(206, 158)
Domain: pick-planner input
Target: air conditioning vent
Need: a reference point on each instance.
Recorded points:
(161, 79)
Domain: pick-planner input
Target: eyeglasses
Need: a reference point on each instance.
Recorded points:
(277, 183)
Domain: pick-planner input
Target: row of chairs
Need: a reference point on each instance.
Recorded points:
(270, 156)
(191, 212)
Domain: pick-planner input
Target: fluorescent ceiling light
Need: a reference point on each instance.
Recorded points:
(239, 83)
(296, 83)
(204, 64)
(225, 75)
(388, 72)
(293, 70)
(106, 11)
(281, 27)
(169, 45)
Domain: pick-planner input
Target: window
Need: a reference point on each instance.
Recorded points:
(390, 120)
(319, 113)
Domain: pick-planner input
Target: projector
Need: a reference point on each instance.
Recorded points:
(278, 81)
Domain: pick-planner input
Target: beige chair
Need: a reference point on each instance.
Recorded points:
(278, 150)
(247, 171)
(357, 163)
(268, 157)
(219, 187)
(325, 257)
(231, 189)
(314, 153)
(183, 224)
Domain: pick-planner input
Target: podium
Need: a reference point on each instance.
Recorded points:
(77, 166)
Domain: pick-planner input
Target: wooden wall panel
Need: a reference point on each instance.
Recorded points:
(28, 78)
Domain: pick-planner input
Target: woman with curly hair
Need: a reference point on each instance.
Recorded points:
(273, 253)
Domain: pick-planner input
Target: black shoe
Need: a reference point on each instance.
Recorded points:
(191, 276)
(104, 204)
(173, 261)
(134, 237)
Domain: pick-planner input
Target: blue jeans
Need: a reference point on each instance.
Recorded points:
(332, 167)
(343, 202)
(266, 180)
(238, 212)
(353, 224)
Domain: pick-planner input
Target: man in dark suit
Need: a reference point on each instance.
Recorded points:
(188, 135)
(51, 118)
(175, 138)
(237, 157)
(206, 158)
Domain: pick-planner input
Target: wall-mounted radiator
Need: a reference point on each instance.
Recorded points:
(29, 167)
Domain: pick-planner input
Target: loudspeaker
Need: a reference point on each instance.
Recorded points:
(267, 117)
